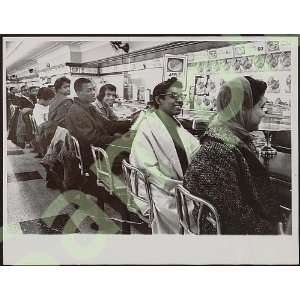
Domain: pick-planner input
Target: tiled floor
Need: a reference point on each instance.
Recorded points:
(33, 208)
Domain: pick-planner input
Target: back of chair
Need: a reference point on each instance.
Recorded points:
(195, 124)
(198, 127)
(183, 197)
(103, 169)
(79, 156)
(33, 124)
(133, 178)
(12, 109)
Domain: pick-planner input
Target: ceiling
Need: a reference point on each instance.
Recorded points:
(22, 53)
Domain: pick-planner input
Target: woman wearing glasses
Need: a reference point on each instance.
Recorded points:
(163, 149)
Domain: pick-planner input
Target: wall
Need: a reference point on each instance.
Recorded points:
(268, 61)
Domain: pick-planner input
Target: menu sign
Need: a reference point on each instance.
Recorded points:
(175, 66)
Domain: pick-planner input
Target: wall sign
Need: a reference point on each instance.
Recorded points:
(175, 66)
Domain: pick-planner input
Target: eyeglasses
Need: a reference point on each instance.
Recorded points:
(175, 96)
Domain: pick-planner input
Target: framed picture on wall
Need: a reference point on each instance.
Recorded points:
(201, 85)
(175, 66)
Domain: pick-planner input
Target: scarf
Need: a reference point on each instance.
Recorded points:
(234, 105)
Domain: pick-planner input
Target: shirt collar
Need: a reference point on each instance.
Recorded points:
(82, 103)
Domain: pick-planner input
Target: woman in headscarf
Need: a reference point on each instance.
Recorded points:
(226, 170)
(163, 149)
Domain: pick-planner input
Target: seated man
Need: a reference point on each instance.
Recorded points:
(20, 131)
(61, 103)
(83, 122)
(24, 101)
(33, 90)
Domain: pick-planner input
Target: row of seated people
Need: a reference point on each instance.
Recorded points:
(58, 119)
(91, 124)
(222, 167)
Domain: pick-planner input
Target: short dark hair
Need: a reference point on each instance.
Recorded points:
(33, 88)
(60, 81)
(258, 88)
(104, 88)
(45, 93)
(79, 83)
(162, 88)
(11, 88)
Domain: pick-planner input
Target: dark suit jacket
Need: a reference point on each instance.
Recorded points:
(24, 102)
(83, 123)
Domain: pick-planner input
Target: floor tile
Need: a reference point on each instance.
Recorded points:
(24, 176)
(61, 224)
(15, 152)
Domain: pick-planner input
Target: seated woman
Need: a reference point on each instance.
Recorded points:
(162, 148)
(41, 108)
(226, 170)
(105, 114)
(105, 100)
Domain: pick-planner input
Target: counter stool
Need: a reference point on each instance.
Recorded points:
(133, 179)
(183, 196)
(113, 184)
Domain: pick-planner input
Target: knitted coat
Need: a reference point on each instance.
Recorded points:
(230, 176)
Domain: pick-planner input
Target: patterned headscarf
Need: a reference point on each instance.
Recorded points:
(234, 105)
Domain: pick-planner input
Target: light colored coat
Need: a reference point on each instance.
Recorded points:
(154, 153)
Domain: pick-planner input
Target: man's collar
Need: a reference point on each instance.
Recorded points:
(99, 103)
(82, 102)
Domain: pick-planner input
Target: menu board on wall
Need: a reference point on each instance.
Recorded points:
(269, 61)
(175, 66)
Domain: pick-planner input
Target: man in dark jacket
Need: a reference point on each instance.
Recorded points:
(89, 127)
(24, 101)
(61, 104)
(83, 122)
(33, 91)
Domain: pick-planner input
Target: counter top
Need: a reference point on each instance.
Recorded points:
(279, 166)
